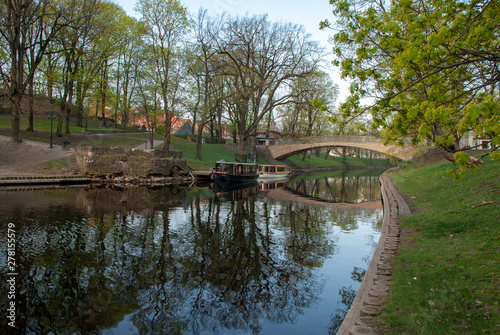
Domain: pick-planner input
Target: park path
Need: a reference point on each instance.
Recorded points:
(146, 145)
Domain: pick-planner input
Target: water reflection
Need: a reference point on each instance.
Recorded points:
(178, 261)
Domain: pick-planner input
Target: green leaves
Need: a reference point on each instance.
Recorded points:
(431, 64)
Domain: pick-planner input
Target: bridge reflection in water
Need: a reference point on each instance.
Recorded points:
(342, 189)
(179, 261)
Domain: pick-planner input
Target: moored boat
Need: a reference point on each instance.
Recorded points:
(273, 172)
(227, 173)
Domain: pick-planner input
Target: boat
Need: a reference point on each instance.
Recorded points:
(268, 185)
(230, 173)
(273, 172)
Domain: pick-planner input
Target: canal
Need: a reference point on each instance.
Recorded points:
(277, 258)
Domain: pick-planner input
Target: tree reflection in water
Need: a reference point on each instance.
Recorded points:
(166, 262)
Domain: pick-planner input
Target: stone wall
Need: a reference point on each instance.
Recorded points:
(114, 162)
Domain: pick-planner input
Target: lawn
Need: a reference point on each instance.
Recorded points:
(313, 160)
(446, 274)
(210, 153)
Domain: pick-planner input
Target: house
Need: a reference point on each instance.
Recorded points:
(185, 129)
(472, 141)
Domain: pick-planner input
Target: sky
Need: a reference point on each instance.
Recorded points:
(308, 13)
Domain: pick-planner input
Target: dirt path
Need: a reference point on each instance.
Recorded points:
(27, 158)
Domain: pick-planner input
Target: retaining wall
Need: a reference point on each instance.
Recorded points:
(115, 162)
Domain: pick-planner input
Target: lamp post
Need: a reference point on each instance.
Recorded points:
(51, 116)
(151, 130)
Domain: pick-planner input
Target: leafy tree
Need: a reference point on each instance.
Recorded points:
(127, 67)
(166, 22)
(312, 100)
(430, 66)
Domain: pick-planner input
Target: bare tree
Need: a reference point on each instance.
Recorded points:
(26, 26)
(204, 71)
(261, 58)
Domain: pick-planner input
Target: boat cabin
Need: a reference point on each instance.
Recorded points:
(278, 169)
(231, 168)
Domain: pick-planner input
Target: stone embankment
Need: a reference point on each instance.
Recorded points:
(366, 306)
(132, 167)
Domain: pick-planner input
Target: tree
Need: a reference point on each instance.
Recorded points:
(259, 59)
(127, 68)
(148, 95)
(431, 68)
(73, 40)
(166, 22)
(312, 100)
(26, 26)
(204, 70)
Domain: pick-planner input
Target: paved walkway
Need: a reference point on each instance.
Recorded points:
(146, 144)
(361, 317)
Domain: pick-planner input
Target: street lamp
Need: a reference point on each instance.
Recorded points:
(51, 116)
(151, 130)
(86, 110)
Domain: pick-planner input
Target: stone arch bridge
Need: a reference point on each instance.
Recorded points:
(286, 148)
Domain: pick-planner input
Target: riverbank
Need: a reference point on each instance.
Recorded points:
(361, 318)
(446, 274)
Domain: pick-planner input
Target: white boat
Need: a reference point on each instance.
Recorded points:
(273, 172)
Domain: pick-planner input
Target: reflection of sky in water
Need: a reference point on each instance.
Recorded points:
(353, 250)
(309, 256)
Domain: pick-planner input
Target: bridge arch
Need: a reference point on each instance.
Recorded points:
(286, 148)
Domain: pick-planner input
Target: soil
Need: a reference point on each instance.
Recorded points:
(30, 158)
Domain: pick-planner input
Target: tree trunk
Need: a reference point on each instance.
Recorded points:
(30, 107)
(15, 101)
(241, 129)
(69, 105)
(199, 140)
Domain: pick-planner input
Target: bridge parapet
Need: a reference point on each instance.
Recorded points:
(333, 138)
(288, 147)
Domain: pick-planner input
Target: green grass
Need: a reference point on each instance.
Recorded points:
(316, 161)
(41, 123)
(210, 153)
(446, 274)
(78, 139)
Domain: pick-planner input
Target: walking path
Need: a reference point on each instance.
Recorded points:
(24, 159)
(146, 144)
(361, 317)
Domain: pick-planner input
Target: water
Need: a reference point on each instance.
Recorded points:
(284, 260)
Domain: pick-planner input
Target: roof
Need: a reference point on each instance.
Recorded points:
(185, 129)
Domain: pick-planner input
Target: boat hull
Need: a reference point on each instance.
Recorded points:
(226, 179)
(273, 176)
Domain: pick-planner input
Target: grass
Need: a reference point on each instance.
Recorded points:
(210, 153)
(313, 160)
(41, 123)
(446, 273)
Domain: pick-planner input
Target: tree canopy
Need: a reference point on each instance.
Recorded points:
(229, 73)
(429, 69)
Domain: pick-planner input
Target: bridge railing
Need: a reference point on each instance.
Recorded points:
(339, 138)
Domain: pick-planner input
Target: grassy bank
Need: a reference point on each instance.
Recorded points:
(446, 274)
(313, 160)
